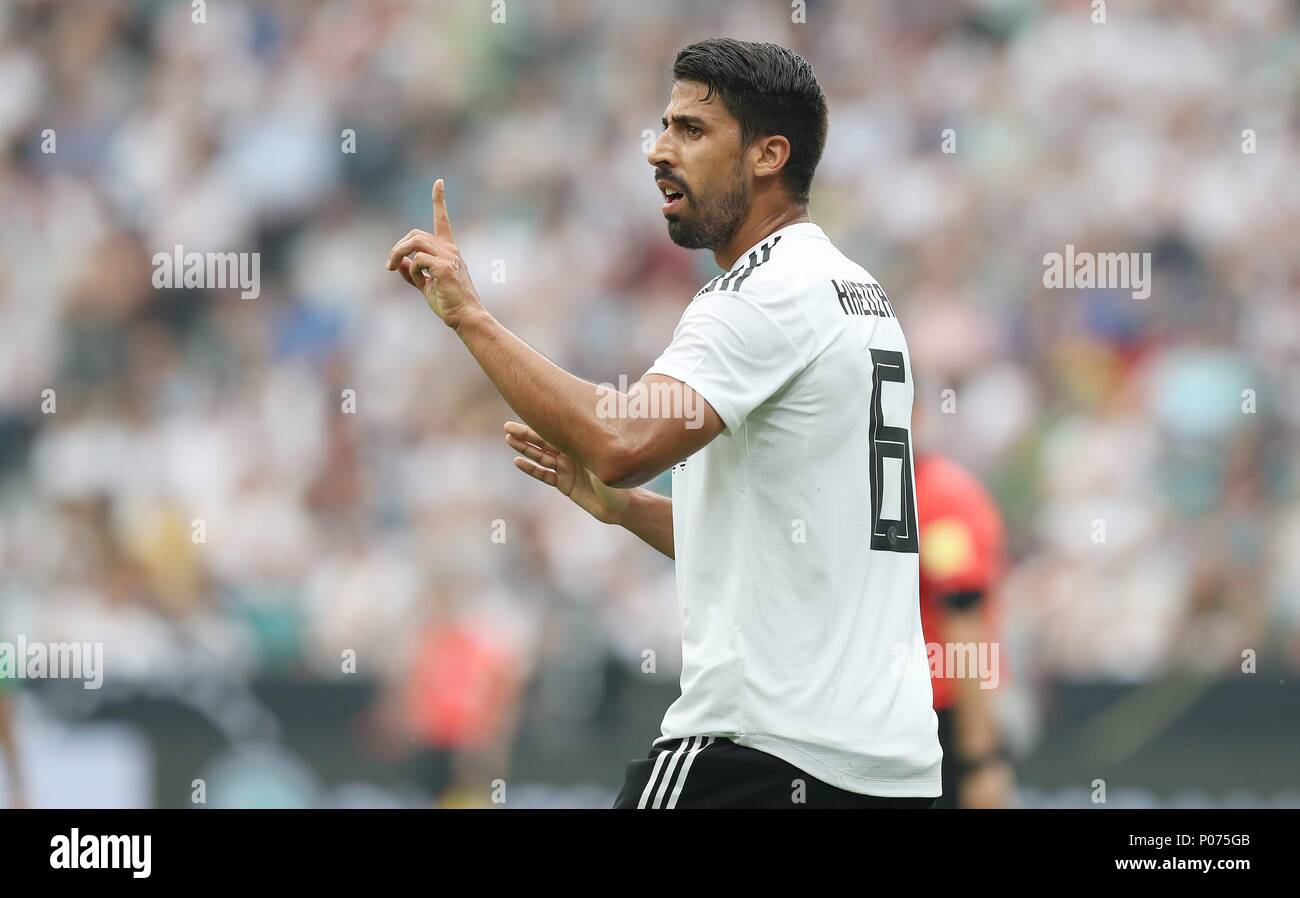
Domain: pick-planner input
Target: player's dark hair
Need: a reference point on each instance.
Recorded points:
(770, 90)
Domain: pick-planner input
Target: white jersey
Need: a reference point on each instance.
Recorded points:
(795, 529)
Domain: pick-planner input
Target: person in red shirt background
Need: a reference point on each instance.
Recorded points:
(449, 707)
(460, 704)
(961, 561)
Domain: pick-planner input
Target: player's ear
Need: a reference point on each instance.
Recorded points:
(771, 153)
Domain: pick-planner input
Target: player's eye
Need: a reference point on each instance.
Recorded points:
(692, 131)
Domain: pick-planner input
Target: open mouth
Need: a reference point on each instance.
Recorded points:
(673, 197)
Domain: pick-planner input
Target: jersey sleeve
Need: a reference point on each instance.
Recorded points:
(732, 352)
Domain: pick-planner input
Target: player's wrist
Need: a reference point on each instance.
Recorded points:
(473, 318)
(616, 508)
(973, 763)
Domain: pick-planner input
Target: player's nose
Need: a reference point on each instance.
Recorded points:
(661, 154)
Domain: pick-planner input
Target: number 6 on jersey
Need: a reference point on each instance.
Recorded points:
(893, 500)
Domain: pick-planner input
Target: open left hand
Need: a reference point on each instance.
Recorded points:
(542, 461)
(432, 264)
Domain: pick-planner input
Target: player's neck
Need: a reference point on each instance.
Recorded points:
(756, 229)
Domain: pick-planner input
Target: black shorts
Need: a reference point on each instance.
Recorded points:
(714, 772)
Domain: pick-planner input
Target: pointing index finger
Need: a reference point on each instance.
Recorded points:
(441, 223)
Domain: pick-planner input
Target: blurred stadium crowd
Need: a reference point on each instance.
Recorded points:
(1144, 452)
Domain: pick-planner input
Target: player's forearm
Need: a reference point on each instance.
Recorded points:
(975, 726)
(562, 408)
(650, 516)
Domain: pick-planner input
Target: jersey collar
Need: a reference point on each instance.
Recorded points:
(805, 228)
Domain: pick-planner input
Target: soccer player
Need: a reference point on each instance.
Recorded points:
(961, 561)
(782, 406)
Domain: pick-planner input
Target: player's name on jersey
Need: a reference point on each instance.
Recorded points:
(863, 299)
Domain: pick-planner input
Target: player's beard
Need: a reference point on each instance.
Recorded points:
(713, 218)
